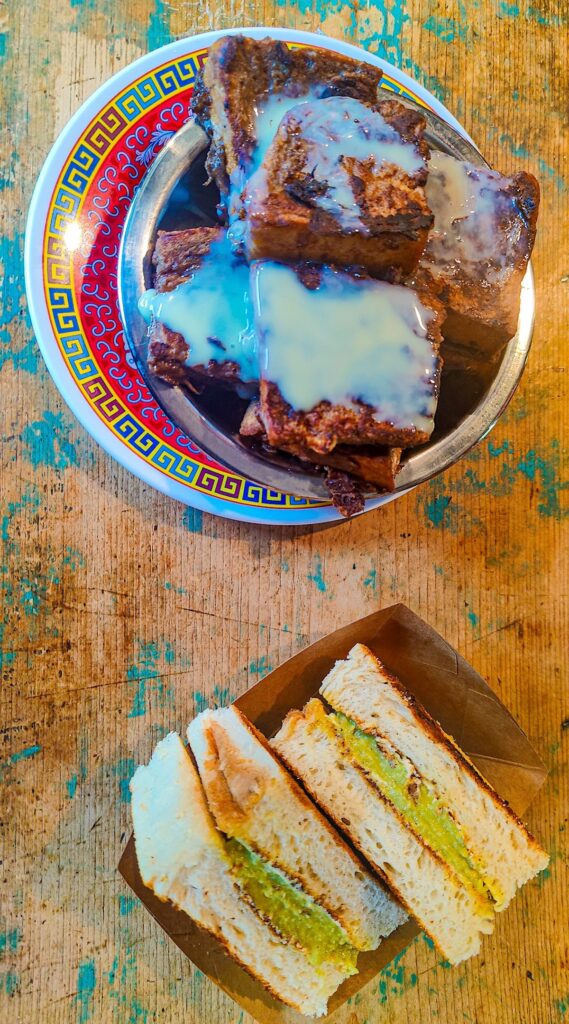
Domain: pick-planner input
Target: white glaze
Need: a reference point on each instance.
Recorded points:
(350, 339)
(269, 113)
(466, 202)
(337, 127)
(213, 303)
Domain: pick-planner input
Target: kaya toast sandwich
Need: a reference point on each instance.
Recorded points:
(409, 799)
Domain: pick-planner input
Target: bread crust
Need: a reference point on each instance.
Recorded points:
(429, 725)
(240, 71)
(233, 809)
(482, 310)
(373, 465)
(314, 713)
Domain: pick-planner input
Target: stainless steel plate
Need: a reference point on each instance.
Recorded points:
(174, 194)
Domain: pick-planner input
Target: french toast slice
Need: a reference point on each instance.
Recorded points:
(174, 355)
(478, 249)
(245, 87)
(342, 182)
(344, 359)
(374, 465)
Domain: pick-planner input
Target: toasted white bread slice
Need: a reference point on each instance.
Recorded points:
(255, 800)
(361, 688)
(181, 858)
(449, 913)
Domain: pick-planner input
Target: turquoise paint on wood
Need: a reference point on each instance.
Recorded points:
(14, 759)
(13, 307)
(261, 666)
(86, 981)
(47, 442)
(317, 576)
(193, 520)
(159, 32)
(126, 904)
(146, 673)
(9, 941)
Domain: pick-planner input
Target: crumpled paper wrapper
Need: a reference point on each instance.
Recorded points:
(454, 694)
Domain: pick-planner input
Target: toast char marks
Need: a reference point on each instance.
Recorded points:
(373, 465)
(240, 73)
(342, 182)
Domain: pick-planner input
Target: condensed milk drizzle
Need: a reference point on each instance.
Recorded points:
(335, 129)
(212, 311)
(466, 202)
(350, 339)
(269, 113)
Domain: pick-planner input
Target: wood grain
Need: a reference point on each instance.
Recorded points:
(122, 615)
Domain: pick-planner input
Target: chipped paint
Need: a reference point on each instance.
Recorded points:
(127, 904)
(219, 698)
(159, 32)
(395, 979)
(123, 770)
(15, 758)
(261, 666)
(9, 941)
(146, 673)
(13, 307)
(317, 576)
(445, 29)
(193, 520)
(86, 981)
(47, 442)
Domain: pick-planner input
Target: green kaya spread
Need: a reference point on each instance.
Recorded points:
(291, 912)
(420, 807)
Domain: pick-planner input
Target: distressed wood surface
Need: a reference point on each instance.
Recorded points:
(123, 613)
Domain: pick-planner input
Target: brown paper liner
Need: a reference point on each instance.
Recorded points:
(453, 693)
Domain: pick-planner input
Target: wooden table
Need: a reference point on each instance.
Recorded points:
(124, 614)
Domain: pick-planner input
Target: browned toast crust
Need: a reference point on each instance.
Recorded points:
(177, 255)
(299, 790)
(296, 716)
(326, 426)
(240, 70)
(482, 309)
(430, 726)
(286, 222)
(232, 805)
(376, 466)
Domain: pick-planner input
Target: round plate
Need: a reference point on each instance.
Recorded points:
(73, 233)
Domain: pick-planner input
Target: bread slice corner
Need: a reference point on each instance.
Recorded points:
(364, 690)
(181, 858)
(255, 799)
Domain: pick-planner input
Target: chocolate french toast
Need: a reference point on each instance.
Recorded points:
(199, 332)
(344, 359)
(372, 464)
(247, 85)
(342, 182)
(350, 252)
(478, 249)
